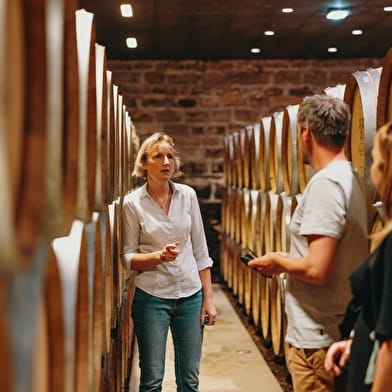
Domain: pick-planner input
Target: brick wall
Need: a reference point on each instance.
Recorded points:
(199, 102)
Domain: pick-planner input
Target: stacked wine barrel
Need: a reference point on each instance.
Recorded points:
(67, 143)
(265, 178)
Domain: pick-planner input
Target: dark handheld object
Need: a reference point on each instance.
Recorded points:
(206, 320)
(247, 256)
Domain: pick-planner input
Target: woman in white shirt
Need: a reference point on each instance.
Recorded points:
(164, 240)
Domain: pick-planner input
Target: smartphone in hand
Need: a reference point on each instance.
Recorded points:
(247, 256)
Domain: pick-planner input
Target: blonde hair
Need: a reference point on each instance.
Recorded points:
(383, 144)
(147, 146)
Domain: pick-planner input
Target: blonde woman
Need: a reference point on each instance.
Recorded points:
(367, 351)
(164, 240)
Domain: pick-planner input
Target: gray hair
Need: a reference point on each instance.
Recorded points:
(147, 146)
(328, 119)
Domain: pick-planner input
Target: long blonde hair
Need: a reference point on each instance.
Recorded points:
(383, 145)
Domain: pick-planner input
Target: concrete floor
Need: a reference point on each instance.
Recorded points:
(231, 361)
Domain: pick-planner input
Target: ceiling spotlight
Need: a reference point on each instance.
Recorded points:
(126, 10)
(337, 14)
(131, 42)
(356, 32)
(287, 10)
(269, 32)
(255, 50)
(332, 50)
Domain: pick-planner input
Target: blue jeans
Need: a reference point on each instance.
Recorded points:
(152, 317)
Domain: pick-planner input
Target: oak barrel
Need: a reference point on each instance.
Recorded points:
(361, 96)
(384, 99)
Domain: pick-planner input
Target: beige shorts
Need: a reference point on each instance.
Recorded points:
(307, 370)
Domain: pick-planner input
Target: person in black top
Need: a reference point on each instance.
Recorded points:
(366, 351)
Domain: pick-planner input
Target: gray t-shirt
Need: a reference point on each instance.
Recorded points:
(333, 205)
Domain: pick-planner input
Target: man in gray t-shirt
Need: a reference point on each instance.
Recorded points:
(328, 240)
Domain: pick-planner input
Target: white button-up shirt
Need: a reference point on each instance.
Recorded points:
(146, 229)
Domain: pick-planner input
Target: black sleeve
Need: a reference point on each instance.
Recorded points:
(350, 317)
(383, 322)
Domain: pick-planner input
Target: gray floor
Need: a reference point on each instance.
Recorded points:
(231, 361)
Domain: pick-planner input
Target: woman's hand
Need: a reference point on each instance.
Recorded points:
(337, 356)
(208, 314)
(169, 252)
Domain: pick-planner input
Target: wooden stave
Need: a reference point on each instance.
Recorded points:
(85, 36)
(101, 174)
(30, 202)
(254, 146)
(290, 151)
(277, 314)
(71, 114)
(275, 152)
(110, 121)
(12, 110)
(361, 96)
(264, 143)
(384, 97)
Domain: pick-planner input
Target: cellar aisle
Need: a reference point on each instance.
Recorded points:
(231, 361)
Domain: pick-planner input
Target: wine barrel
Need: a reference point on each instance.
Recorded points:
(55, 224)
(26, 167)
(290, 151)
(245, 137)
(71, 253)
(361, 96)
(109, 295)
(284, 210)
(102, 192)
(271, 203)
(278, 319)
(244, 217)
(275, 150)
(255, 298)
(48, 370)
(252, 218)
(70, 114)
(255, 156)
(85, 37)
(116, 142)
(223, 256)
(259, 235)
(111, 136)
(12, 113)
(265, 307)
(229, 161)
(384, 98)
(264, 153)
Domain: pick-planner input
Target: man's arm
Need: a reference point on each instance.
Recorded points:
(315, 268)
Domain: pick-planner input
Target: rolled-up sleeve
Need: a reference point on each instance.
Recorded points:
(130, 234)
(198, 237)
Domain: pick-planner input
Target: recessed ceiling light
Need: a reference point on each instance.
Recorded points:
(388, 9)
(332, 50)
(269, 32)
(255, 50)
(131, 42)
(356, 32)
(337, 14)
(126, 10)
(287, 10)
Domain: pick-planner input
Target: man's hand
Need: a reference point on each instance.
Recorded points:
(268, 264)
